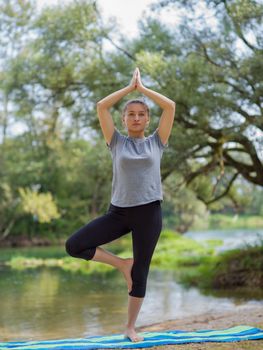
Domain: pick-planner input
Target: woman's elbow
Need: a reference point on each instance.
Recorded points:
(99, 104)
(173, 105)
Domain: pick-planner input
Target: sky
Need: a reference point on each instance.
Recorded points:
(126, 12)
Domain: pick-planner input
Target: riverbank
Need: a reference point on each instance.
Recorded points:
(250, 315)
(214, 222)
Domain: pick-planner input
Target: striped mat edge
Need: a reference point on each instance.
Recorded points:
(117, 341)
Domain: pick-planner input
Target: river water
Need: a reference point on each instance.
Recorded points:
(49, 303)
(231, 239)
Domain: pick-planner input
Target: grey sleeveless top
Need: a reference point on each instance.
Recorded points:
(136, 169)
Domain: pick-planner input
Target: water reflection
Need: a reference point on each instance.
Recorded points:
(50, 303)
(167, 299)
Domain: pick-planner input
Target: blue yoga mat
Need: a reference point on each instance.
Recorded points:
(117, 341)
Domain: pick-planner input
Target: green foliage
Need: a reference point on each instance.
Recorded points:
(40, 205)
(220, 221)
(182, 210)
(173, 251)
(8, 208)
(77, 178)
(251, 258)
(214, 73)
(54, 69)
(68, 264)
(194, 263)
(239, 267)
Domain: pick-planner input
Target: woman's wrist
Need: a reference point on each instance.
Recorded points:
(163, 101)
(130, 88)
(141, 88)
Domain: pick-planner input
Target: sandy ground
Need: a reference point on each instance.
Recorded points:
(249, 315)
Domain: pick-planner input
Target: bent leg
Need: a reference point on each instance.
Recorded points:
(102, 230)
(123, 265)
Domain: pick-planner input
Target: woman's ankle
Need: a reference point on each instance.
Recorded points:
(129, 327)
(131, 333)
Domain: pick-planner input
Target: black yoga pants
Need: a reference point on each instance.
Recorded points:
(143, 221)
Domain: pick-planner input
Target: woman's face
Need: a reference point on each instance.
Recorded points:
(136, 117)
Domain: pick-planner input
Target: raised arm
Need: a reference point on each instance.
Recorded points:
(104, 105)
(167, 105)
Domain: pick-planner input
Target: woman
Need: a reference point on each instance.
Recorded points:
(136, 193)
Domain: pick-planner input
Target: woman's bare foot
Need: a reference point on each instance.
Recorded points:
(126, 270)
(132, 335)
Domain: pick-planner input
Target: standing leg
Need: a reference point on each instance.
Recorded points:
(145, 234)
(134, 306)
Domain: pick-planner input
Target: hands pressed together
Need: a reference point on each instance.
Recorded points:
(136, 82)
(166, 104)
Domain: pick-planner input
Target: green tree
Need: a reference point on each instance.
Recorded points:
(213, 70)
(54, 68)
(47, 85)
(40, 205)
(181, 209)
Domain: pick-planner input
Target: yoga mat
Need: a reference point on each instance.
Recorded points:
(117, 341)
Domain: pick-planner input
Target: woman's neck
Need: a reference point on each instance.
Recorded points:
(137, 135)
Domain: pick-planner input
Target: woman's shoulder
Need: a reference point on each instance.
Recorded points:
(117, 137)
(154, 137)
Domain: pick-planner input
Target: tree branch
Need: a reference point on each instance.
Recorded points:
(202, 170)
(225, 192)
(120, 48)
(238, 28)
(245, 169)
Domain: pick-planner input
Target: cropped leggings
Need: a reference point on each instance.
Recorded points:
(143, 221)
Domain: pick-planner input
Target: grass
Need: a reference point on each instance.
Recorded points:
(172, 252)
(238, 267)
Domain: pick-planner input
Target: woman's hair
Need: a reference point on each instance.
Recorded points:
(136, 101)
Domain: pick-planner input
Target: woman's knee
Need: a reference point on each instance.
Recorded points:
(74, 250)
(69, 247)
(138, 290)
